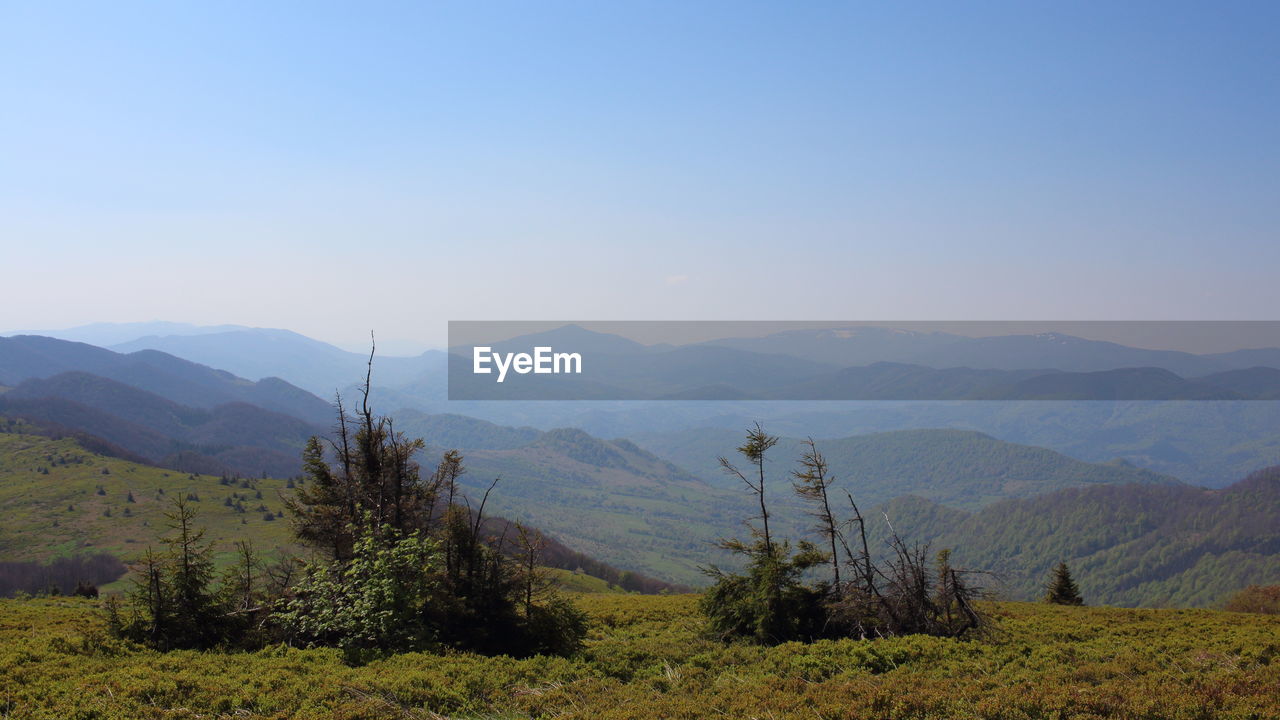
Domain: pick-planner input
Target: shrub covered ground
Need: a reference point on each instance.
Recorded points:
(648, 656)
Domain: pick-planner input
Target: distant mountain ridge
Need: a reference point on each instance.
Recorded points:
(105, 334)
(317, 366)
(864, 345)
(799, 365)
(26, 357)
(234, 437)
(1206, 443)
(820, 364)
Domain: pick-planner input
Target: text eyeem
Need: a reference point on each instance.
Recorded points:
(543, 361)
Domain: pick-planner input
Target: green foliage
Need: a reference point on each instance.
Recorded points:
(376, 601)
(1062, 588)
(47, 517)
(174, 603)
(769, 601)
(651, 656)
(409, 564)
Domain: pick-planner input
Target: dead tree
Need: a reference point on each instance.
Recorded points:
(811, 484)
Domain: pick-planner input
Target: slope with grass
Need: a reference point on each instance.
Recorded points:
(59, 499)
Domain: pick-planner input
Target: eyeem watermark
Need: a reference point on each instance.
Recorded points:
(1107, 361)
(543, 361)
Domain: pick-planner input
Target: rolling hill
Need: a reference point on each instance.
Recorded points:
(611, 500)
(957, 468)
(1062, 352)
(1134, 383)
(1134, 545)
(60, 500)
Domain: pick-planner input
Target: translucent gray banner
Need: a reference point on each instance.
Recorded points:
(865, 360)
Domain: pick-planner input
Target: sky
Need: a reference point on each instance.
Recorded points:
(333, 168)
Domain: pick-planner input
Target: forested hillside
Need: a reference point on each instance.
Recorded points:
(234, 437)
(957, 468)
(1136, 545)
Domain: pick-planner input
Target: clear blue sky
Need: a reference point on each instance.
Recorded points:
(335, 167)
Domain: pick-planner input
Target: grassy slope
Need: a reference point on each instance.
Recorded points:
(60, 513)
(647, 657)
(580, 582)
(647, 519)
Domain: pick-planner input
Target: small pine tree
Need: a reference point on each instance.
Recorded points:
(1062, 588)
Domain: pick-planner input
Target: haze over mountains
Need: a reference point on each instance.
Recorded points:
(863, 364)
(656, 504)
(1205, 442)
(25, 357)
(315, 366)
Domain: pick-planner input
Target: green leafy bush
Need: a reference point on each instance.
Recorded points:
(377, 601)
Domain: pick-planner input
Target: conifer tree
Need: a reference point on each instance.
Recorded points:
(1062, 588)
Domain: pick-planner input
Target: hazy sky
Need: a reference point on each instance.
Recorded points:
(334, 167)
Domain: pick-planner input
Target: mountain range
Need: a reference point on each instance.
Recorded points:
(1203, 442)
(315, 366)
(802, 365)
(655, 505)
(866, 345)
(26, 357)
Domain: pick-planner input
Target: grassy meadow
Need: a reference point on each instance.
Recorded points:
(649, 656)
(59, 499)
